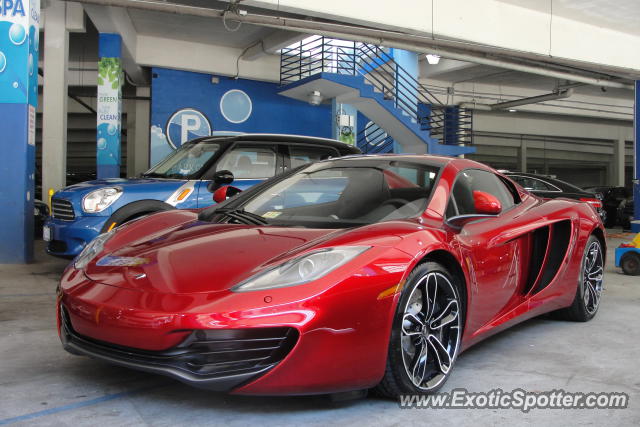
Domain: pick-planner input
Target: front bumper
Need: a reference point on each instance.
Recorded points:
(68, 238)
(216, 360)
(342, 332)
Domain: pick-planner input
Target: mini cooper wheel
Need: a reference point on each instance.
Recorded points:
(426, 333)
(587, 300)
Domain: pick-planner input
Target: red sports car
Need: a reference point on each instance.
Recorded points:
(346, 274)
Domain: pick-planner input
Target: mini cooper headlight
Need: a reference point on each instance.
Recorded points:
(99, 200)
(92, 249)
(303, 269)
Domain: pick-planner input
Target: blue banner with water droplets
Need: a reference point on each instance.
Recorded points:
(19, 30)
(109, 105)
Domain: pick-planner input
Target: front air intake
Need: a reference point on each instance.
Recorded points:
(206, 354)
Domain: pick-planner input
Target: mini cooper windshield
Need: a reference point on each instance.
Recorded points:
(339, 194)
(187, 160)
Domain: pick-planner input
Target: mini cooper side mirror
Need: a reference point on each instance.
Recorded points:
(225, 192)
(220, 178)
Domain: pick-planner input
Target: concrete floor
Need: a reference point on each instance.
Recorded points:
(43, 385)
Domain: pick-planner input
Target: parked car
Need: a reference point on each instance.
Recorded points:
(625, 213)
(80, 212)
(552, 188)
(346, 274)
(611, 198)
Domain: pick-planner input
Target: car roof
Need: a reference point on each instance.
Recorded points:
(427, 159)
(274, 137)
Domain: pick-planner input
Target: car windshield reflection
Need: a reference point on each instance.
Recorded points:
(328, 195)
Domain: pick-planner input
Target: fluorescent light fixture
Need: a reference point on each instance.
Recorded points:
(433, 59)
(512, 110)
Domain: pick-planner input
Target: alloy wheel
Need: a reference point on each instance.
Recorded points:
(592, 277)
(431, 328)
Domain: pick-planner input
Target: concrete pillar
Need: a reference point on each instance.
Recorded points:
(406, 91)
(635, 225)
(618, 162)
(138, 133)
(19, 28)
(55, 96)
(522, 164)
(405, 84)
(109, 107)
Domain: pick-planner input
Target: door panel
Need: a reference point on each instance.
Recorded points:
(491, 253)
(495, 268)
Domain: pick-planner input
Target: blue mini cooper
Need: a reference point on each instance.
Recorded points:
(80, 212)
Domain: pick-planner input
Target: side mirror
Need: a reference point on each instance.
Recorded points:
(220, 178)
(486, 204)
(225, 192)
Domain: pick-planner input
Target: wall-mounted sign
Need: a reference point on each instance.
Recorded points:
(236, 106)
(185, 125)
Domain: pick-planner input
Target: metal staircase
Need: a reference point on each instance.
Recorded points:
(367, 77)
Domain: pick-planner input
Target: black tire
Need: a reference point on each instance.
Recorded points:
(630, 263)
(408, 333)
(587, 300)
(134, 210)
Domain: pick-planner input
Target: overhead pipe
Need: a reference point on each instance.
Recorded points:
(559, 94)
(475, 106)
(411, 42)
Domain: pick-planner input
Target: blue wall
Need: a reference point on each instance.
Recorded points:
(173, 90)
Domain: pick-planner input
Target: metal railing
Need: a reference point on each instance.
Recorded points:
(326, 55)
(373, 139)
(453, 126)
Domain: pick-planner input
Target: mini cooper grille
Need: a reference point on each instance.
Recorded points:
(62, 209)
(206, 353)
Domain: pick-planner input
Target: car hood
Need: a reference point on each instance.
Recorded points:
(128, 185)
(198, 257)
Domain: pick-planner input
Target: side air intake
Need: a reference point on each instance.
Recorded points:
(559, 244)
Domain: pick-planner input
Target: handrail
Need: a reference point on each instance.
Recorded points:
(379, 69)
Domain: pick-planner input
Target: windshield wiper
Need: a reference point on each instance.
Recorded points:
(242, 216)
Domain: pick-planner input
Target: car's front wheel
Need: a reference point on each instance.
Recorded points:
(426, 333)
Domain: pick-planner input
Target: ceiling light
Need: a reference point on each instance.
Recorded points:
(512, 110)
(315, 98)
(433, 59)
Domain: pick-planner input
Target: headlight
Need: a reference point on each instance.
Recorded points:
(303, 269)
(101, 199)
(92, 249)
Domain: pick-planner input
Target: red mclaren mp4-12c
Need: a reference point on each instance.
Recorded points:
(347, 274)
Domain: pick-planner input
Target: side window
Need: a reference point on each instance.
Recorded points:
(538, 185)
(301, 154)
(249, 162)
(461, 200)
(532, 184)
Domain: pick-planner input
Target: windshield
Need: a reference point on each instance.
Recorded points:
(333, 195)
(187, 160)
